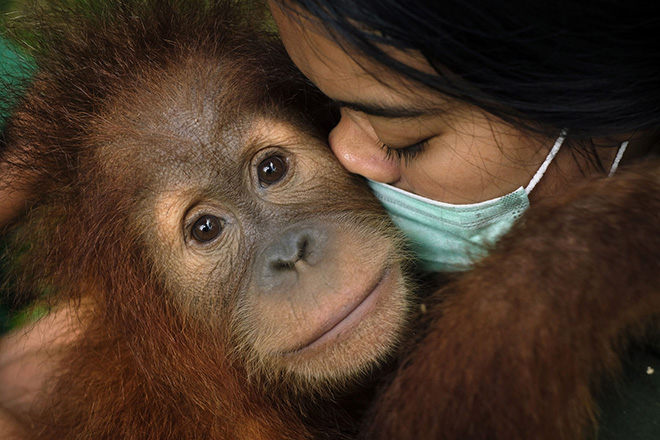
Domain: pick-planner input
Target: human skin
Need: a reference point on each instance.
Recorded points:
(467, 155)
(27, 355)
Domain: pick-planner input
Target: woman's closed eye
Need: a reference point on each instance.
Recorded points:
(403, 154)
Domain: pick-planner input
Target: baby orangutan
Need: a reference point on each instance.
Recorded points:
(226, 271)
(218, 275)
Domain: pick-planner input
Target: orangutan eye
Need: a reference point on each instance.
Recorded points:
(271, 170)
(207, 228)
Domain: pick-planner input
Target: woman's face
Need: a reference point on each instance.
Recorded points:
(397, 132)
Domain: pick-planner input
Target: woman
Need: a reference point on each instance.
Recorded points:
(462, 115)
(465, 111)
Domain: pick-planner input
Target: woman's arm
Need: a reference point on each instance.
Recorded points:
(28, 356)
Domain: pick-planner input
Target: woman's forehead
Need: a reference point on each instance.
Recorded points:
(343, 74)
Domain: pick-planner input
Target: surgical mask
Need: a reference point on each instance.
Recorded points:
(447, 237)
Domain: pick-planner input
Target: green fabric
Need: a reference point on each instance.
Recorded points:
(14, 67)
(5, 5)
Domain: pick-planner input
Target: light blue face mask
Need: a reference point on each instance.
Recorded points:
(447, 237)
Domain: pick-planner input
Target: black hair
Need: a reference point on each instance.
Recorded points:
(592, 67)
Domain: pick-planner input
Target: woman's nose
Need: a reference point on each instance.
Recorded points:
(358, 149)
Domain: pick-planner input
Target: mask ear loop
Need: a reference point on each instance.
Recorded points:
(544, 166)
(617, 159)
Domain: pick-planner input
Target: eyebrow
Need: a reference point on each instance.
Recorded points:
(382, 111)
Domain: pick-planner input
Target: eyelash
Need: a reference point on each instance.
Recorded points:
(404, 154)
